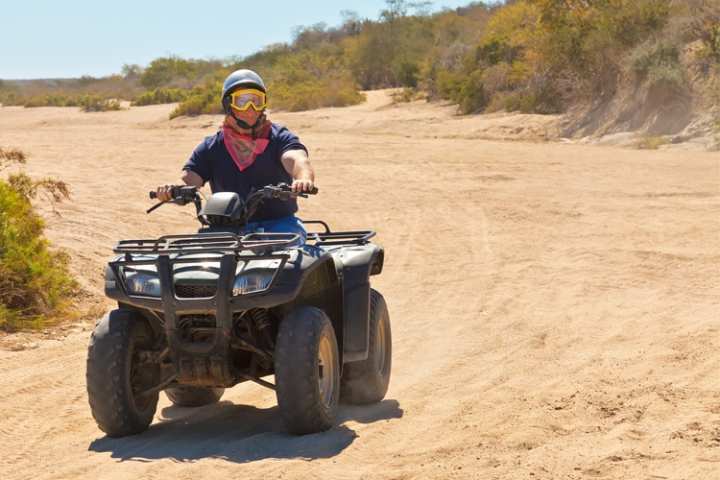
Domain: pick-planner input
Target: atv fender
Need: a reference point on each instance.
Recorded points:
(354, 265)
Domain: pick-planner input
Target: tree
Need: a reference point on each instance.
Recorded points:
(131, 71)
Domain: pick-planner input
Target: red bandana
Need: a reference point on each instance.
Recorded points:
(241, 145)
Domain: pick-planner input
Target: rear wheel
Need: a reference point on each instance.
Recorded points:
(307, 371)
(116, 375)
(189, 396)
(367, 381)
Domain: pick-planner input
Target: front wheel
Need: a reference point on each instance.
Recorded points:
(307, 371)
(116, 375)
(367, 381)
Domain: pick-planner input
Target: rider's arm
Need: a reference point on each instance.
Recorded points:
(297, 164)
(192, 178)
(195, 172)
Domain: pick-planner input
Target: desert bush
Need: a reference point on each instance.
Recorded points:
(8, 94)
(200, 100)
(650, 56)
(9, 156)
(96, 103)
(299, 80)
(175, 71)
(542, 55)
(52, 100)
(651, 142)
(68, 92)
(35, 286)
(408, 94)
(87, 102)
(319, 93)
(161, 95)
(472, 97)
(659, 64)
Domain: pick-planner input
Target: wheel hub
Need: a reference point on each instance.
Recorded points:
(326, 372)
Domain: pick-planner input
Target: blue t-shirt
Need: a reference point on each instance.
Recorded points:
(213, 163)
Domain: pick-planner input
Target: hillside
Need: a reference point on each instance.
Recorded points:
(651, 67)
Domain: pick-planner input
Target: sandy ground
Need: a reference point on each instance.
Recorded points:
(555, 308)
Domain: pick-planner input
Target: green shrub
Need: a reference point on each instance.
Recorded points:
(407, 74)
(177, 71)
(35, 287)
(539, 55)
(201, 100)
(312, 94)
(52, 100)
(448, 84)
(647, 58)
(88, 102)
(669, 76)
(407, 95)
(651, 142)
(95, 103)
(472, 95)
(161, 95)
(9, 95)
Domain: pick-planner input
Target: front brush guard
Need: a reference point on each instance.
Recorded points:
(207, 363)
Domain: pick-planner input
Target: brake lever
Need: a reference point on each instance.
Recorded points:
(155, 207)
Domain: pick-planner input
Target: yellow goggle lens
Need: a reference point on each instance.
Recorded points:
(242, 100)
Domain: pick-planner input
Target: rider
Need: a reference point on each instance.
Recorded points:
(250, 152)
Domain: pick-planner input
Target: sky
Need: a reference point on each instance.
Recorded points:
(70, 38)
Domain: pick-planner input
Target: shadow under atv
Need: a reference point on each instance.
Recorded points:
(238, 433)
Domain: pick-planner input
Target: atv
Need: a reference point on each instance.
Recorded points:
(203, 312)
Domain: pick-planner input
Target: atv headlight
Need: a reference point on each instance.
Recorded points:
(256, 276)
(253, 282)
(142, 283)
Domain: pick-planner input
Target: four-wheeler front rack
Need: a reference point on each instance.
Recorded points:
(214, 242)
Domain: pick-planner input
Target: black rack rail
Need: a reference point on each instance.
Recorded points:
(229, 242)
(328, 237)
(207, 243)
(340, 238)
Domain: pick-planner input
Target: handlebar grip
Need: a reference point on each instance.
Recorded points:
(314, 191)
(153, 195)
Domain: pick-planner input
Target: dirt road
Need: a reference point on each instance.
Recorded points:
(555, 308)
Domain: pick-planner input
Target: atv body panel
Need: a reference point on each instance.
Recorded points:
(331, 273)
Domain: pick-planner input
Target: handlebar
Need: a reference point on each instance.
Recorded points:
(182, 195)
(284, 191)
(179, 194)
(187, 193)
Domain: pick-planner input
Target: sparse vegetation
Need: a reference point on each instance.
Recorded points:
(408, 94)
(88, 103)
(161, 95)
(651, 142)
(535, 56)
(35, 286)
(95, 103)
(176, 72)
(200, 100)
(86, 92)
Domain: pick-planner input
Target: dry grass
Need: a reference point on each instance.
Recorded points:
(651, 142)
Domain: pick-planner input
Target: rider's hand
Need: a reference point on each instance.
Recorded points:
(163, 193)
(302, 186)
